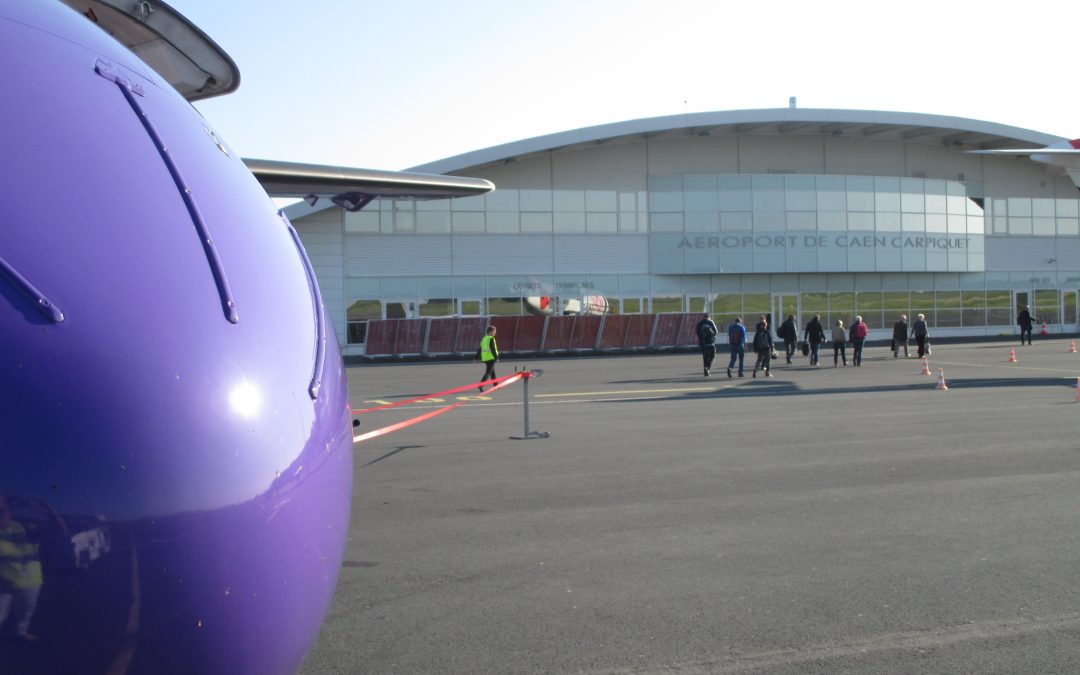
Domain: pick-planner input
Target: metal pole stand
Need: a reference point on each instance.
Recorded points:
(529, 374)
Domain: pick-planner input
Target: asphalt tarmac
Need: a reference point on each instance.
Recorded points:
(827, 520)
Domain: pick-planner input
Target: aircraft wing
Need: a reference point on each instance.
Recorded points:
(170, 44)
(1028, 152)
(1062, 156)
(352, 188)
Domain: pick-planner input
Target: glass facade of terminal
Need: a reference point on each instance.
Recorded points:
(743, 245)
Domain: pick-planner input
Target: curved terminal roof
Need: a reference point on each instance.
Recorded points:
(939, 130)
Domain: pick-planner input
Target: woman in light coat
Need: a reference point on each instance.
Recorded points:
(839, 336)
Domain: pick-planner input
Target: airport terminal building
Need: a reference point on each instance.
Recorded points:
(739, 213)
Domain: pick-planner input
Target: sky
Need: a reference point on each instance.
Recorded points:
(394, 85)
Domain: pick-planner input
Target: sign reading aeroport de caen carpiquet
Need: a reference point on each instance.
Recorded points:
(815, 251)
(847, 240)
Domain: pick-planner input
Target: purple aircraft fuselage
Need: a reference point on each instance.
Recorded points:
(175, 441)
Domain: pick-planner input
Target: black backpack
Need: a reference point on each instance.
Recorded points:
(705, 331)
(761, 340)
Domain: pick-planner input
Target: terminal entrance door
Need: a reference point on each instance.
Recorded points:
(783, 306)
(1021, 299)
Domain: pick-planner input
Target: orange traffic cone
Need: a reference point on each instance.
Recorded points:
(1012, 354)
(941, 380)
(1077, 399)
(1043, 331)
(1072, 346)
(925, 366)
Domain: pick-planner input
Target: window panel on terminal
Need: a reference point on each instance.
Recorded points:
(433, 223)
(502, 200)
(664, 304)
(569, 200)
(537, 222)
(896, 303)
(831, 193)
(860, 221)
(800, 193)
(601, 222)
(973, 317)
(468, 221)
(1044, 227)
(737, 221)
(860, 193)
(887, 222)
(597, 201)
(1019, 226)
(1068, 208)
(503, 222)
(947, 317)
(999, 316)
(1019, 206)
(436, 307)
(504, 306)
(1069, 303)
(535, 200)
(736, 193)
(362, 221)
(886, 194)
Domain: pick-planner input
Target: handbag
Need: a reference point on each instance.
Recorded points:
(774, 354)
(928, 348)
(805, 347)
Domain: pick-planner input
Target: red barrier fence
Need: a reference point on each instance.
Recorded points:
(586, 332)
(530, 334)
(441, 335)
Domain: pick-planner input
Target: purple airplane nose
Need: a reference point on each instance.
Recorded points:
(175, 443)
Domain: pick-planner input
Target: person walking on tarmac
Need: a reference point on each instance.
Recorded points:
(1026, 323)
(790, 335)
(763, 346)
(814, 336)
(736, 334)
(489, 354)
(920, 333)
(900, 336)
(706, 333)
(858, 334)
(839, 337)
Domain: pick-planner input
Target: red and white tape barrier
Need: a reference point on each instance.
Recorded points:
(497, 383)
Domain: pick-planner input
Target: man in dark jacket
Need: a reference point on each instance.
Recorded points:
(763, 346)
(900, 336)
(706, 333)
(1026, 322)
(814, 336)
(737, 339)
(789, 334)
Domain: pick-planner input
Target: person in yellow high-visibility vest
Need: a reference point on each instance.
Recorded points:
(489, 354)
(20, 575)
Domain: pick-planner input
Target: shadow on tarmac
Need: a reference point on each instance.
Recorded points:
(393, 452)
(775, 387)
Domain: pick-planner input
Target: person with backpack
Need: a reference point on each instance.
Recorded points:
(706, 333)
(858, 334)
(763, 346)
(814, 336)
(790, 335)
(736, 333)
